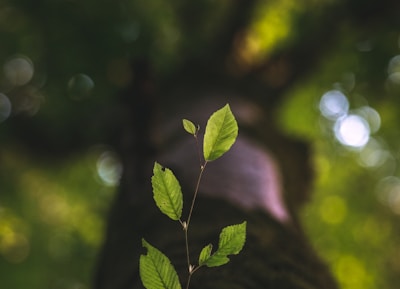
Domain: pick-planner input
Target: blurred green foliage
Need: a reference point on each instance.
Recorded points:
(349, 222)
(52, 219)
(63, 63)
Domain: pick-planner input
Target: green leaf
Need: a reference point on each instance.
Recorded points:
(205, 254)
(156, 270)
(189, 126)
(220, 135)
(167, 192)
(231, 242)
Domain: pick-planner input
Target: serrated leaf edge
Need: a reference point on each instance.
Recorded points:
(220, 251)
(177, 212)
(208, 153)
(166, 265)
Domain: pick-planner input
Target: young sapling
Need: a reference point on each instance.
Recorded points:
(156, 270)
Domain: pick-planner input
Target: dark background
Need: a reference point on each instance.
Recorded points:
(66, 63)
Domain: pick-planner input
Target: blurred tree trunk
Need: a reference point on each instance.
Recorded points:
(276, 254)
(146, 125)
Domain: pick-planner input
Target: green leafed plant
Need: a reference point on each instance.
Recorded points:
(221, 133)
(167, 192)
(231, 242)
(156, 270)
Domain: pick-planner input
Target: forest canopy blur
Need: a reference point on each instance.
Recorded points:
(332, 67)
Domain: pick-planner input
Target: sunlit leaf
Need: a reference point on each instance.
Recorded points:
(189, 126)
(220, 135)
(231, 242)
(167, 192)
(156, 270)
(205, 254)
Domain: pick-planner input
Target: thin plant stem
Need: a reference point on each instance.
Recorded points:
(190, 275)
(188, 281)
(202, 168)
(186, 224)
(198, 149)
(185, 228)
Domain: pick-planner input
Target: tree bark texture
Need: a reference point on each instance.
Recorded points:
(264, 179)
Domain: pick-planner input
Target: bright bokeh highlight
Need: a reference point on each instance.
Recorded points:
(334, 104)
(352, 130)
(109, 168)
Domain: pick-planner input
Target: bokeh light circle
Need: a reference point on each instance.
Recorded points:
(109, 168)
(80, 86)
(352, 130)
(5, 107)
(18, 70)
(334, 104)
(373, 155)
(388, 193)
(372, 116)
